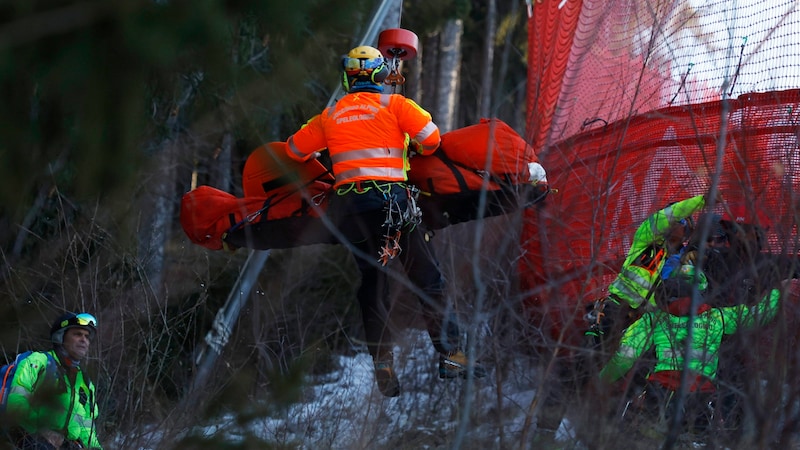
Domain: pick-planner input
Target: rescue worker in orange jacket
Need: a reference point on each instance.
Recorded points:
(368, 134)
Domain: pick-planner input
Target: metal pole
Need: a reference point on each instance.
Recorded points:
(220, 332)
(378, 22)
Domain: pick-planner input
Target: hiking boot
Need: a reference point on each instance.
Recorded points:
(387, 380)
(456, 365)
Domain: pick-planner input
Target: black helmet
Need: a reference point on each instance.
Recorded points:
(681, 285)
(716, 229)
(72, 320)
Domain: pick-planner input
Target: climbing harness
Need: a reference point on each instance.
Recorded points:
(398, 218)
(595, 315)
(391, 248)
(594, 334)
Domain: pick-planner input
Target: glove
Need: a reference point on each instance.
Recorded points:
(413, 148)
(536, 174)
(594, 315)
(592, 311)
(689, 257)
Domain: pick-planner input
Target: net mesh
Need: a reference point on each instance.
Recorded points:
(635, 104)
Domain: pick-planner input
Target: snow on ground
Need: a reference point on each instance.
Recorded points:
(349, 412)
(346, 410)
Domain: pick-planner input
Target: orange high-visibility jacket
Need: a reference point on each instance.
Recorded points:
(367, 136)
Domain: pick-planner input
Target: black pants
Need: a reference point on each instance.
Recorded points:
(360, 217)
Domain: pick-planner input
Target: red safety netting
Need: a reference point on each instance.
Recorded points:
(629, 104)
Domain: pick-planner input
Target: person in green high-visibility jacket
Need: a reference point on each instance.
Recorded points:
(667, 334)
(52, 402)
(661, 235)
(666, 331)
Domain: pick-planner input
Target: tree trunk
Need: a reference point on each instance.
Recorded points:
(221, 169)
(447, 82)
(413, 86)
(157, 212)
(158, 202)
(485, 99)
(429, 65)
(500, 97)
(518, 121)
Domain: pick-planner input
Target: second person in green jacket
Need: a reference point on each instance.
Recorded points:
(666, 331)
(661, 235)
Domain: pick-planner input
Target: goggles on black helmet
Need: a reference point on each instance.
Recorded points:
(70, 320)
(82, 319)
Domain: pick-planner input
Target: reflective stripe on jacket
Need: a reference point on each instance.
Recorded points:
(667, 334)
(642, 267)
(367, 136)
(45, 399)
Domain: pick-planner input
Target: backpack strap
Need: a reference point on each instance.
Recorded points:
(503, 181)
(50, 369)
(52, 364)
(462, 183)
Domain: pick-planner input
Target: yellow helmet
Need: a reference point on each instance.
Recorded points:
(365, 64)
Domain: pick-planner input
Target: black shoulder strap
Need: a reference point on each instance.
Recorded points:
(503, 181)
(462, 183)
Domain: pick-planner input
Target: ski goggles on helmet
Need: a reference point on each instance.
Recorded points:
(82, 319)
(356, 65)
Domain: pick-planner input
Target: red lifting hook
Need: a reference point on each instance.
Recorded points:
(397, 44)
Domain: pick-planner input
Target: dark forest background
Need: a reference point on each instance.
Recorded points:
(113, 109)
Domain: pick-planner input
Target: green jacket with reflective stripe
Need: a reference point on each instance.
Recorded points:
(641, 270)
(667, 334)
(43, 398)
